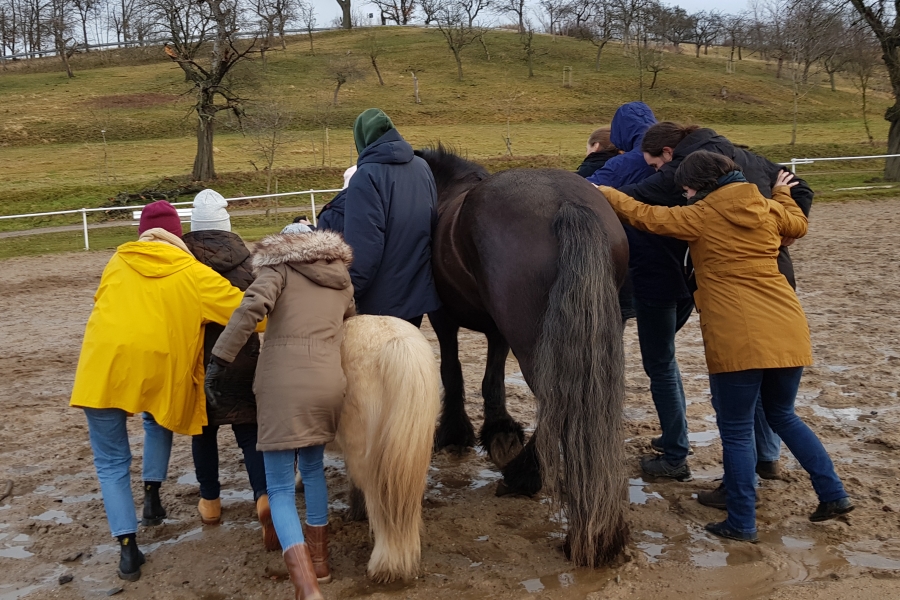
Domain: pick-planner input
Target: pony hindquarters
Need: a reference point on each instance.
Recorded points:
(387, 432)
(579, 386)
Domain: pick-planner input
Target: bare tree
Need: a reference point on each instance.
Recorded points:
(414, 70)
(517, 8)
(341, 70)
(862, 60)
(654, 60)
(346, 13)
(527, 39)
(554, 11)
(374, 48)
(735, 26)
(474, 7)
(61, 27)
(453, 23)
(706, 27)
(86, 10)
(398, 11)
(600, 28)
(430, 9)
(672, 24)
(217, 22)
(265, 125)
(306, 12)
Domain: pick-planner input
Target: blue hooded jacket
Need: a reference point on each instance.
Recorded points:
(332, 215)
(627, 130)
(390, 209)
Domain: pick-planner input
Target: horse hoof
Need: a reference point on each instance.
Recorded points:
(454, 450)
(504, 447)
(504, 490)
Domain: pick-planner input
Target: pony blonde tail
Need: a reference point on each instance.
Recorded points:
(397, 409)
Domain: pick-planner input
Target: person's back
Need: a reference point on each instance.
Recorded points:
(389, 213)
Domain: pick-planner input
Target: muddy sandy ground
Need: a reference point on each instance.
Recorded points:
(476, 545)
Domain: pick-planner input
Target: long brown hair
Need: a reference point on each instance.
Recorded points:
(601, 136)
(666, 134)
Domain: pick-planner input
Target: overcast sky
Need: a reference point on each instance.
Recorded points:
(327, 10)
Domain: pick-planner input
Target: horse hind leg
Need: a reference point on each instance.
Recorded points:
(455, 431)
(501, 436)
(357, 511)
(522, 475)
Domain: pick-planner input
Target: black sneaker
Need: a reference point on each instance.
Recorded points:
(154, 513)
(830, 510)
(656, 446)
(130, 560)
(716, 498)
(722, 530)
(768, 469)
(657, 466)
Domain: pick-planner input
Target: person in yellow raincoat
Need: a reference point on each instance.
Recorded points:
(143, 353)
(754, 330)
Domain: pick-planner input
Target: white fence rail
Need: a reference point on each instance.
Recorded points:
(84, 211)
(808, 161)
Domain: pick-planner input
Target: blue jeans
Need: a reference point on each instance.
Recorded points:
(735, 397)
(657, 324)
(280, 480)
(108, 434)
(205, 450)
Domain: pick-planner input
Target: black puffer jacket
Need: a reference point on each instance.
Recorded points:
(594, 161)
(664, 258)
(225, 253)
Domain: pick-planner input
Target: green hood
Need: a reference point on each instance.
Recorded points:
(369, 126)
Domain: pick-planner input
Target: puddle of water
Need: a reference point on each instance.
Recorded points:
(482, 538)
(21, 538)
(837, 414)
(871, 560)
(15, 552)
(335, 461)
(189, 478)
(338, 504)
(44, 489)
(837, 368)
(228, 496)
(710, 558)
(636, 493)
(566, 579)
(653, 551)
(703, 438)
(796, 543)
(517, 379)
(532, 586)
(16, 594)
(57, 516)
(653, 534)
(193, 534)
(474, 564)
(485, 477)
(84, 498)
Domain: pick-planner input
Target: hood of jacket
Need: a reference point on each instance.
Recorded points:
(702, 139)
(389, 149)
(152, 257)
(629, 125)
(321, 256)
(220, 250)
(741, 204)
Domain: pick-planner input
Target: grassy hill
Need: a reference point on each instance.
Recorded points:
(54, 155)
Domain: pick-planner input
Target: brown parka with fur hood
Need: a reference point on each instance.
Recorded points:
(303, 286)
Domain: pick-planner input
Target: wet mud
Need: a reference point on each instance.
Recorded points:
(476, 545)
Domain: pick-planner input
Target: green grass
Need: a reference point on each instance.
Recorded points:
(53, 156)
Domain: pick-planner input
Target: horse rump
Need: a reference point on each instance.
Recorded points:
(387, 432)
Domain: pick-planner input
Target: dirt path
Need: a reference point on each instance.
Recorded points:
(476, 545)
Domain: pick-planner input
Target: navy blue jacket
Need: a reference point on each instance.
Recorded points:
(332, 215)
(627, 130)
(662, 276)
(390, 209)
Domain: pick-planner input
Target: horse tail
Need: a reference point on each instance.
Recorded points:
(400, 451)
(580, 389)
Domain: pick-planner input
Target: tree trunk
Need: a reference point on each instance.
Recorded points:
(653, 83)
(780, 64)
(334, 101)
(346, 18)
(312, 50)
(831, 80)
(739, 54)
(892, 166)
(597, 60)
(865, 116)
(416, 86)
(65, 58)
(204, 168)
(459, 74)
(530, 64)
(697, 54)
(377, 72)
(487, 52)
(84, 31)
(796, 88)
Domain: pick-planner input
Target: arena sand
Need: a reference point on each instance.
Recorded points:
(477, 545)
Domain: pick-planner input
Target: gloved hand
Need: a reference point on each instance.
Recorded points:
(212, 384)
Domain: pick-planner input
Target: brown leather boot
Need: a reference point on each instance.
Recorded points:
(303, 576)
(317, 538)
(270, 538)
(210, 511)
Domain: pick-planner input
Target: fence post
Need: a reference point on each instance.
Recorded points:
(312, 202)
(87, 245)
(794, 165)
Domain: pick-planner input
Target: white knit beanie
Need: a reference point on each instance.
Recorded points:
(296, 228)
(348, 174)
(210, 212)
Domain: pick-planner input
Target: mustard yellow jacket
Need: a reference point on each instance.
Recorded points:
(143, 346)
(749, 315)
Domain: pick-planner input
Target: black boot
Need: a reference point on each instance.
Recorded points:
(154, 513)
(131, 558)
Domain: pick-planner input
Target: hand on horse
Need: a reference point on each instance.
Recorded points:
(213, 382)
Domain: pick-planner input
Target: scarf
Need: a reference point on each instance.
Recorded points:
(732, 177)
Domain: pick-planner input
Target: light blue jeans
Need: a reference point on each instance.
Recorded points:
(280, 483)
(108, 433)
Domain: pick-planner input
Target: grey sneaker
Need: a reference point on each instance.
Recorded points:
(657, 466)
(656, 446)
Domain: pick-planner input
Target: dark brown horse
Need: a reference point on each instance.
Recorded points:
(533, 259)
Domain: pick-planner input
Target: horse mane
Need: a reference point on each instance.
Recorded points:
(449, 168)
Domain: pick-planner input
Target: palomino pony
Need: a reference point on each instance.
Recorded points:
(533, 258)
(386, 433)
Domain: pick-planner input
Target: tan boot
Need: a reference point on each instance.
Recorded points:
(270, 538)
(317, 538)
(210, 511)
(303, 576)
